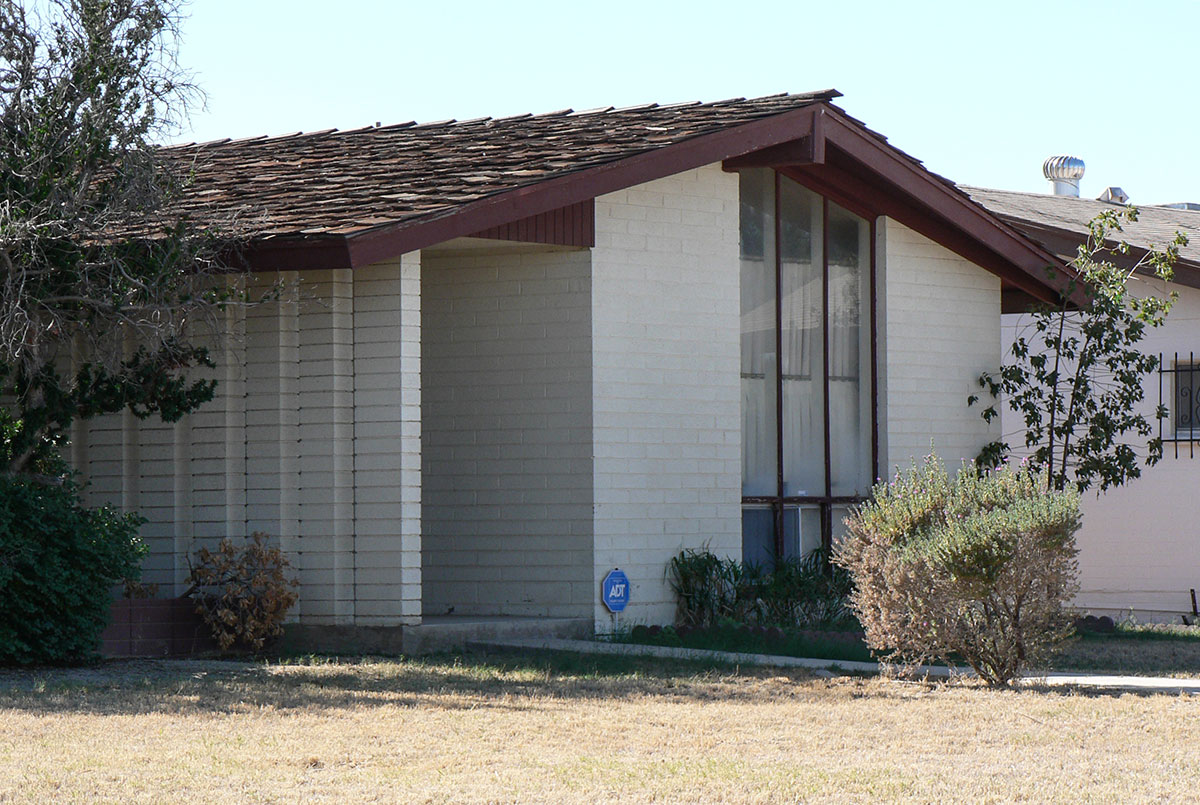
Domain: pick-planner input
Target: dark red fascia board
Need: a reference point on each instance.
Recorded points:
(844, 183)
(577, 186)
(382, 243)
(565, 226)
(294, 254)
(937, 194)
(795, 137)
(842, 160)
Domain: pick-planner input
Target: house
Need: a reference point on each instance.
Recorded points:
(1139, 549)
(528, 351)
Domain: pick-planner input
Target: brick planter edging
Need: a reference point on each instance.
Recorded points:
(155, 627)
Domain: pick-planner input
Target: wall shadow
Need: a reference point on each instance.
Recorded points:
(527, 681)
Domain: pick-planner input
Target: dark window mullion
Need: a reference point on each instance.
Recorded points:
(779, 490)
(826, 529)
(874, 339)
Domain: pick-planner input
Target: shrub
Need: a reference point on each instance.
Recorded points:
(805, 591)
(243, 594)
(798, 591)
(980, 566)
(705, 587)
(58, 564)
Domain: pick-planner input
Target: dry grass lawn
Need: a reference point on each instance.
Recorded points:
(568, 729)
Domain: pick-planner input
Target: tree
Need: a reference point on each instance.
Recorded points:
(104, 292)
(1077, 380)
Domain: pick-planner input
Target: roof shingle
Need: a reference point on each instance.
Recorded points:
(1154, 228)
(348, 182)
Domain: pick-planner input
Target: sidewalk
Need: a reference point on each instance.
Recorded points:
(830, 668)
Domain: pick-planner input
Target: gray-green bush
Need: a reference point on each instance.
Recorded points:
(979, 566)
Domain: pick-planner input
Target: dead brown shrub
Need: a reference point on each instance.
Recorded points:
(243, 594)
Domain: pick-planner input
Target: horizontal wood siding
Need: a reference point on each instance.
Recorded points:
(574, 225)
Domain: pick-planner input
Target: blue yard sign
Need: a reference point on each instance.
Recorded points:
(615, 591)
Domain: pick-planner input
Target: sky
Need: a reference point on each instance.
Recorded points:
(982, 92)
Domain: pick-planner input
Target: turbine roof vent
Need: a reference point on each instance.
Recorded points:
(1064, 173)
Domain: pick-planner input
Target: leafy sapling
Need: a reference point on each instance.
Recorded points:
(1076, 375)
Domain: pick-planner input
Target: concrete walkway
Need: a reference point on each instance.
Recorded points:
(829, 668)
(1145, 684)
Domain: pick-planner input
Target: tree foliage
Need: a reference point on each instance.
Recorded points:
(58, 563)
(102, 291)
(1076, 375)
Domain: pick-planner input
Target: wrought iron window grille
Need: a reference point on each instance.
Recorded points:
(1179, 393)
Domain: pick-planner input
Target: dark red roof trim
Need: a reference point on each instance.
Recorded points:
(848, 164)
(930, 193)
(572, 188)
(817, 144)
(385, 242)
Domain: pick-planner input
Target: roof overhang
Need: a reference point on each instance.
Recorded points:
(816, 144)
(1066, 242)
(384, 242)
(854, 167)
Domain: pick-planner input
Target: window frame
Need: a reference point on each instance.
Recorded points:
(780, 502)
(1179, 367)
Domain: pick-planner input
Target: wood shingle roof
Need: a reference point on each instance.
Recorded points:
(335, 199)
(347, 182)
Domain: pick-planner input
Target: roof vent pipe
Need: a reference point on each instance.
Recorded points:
(1064, 173)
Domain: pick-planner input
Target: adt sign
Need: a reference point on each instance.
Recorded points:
(615, 590)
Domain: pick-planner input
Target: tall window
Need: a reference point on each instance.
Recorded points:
(808, 414)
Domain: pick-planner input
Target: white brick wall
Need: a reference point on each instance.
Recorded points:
(313, 437)
(939, 318)
(581, 412)
(507, 431)
(387, 441)
(666, 387)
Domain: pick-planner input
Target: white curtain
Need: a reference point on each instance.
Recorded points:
(849, 353)
(759, 437)
(801, 363)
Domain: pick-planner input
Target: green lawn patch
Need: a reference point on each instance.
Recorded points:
(1142, 650)
(826, 644)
